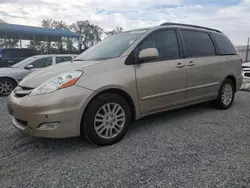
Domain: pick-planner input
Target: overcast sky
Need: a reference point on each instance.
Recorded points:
(230, 16)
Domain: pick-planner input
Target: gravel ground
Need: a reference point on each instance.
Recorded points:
(193, 147)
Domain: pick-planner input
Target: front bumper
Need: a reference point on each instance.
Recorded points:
(63, 106)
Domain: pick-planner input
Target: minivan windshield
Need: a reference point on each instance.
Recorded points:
(23, 62)
(111, 47)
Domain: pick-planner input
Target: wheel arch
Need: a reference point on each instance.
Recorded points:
(118, 91)
(10, 79)
(233, 79)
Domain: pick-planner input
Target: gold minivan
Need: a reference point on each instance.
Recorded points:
(124, 78)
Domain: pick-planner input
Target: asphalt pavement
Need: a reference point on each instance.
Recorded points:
(197, 146)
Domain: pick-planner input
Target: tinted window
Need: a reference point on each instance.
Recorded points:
(23, 62)
(10, 54)
(5, 54)
(224, 45)
(63, 59)
(28, 53)
(16, 54)
(43, 62)
(197, 44)
(165, 42)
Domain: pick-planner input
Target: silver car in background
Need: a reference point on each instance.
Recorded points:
(11, 76)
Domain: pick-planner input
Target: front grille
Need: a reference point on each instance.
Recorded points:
(243, 67)
(22, 91)
(247, 74)
(20, 95)
(22, 122)
(26, 88)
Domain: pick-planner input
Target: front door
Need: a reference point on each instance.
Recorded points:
(161, 83)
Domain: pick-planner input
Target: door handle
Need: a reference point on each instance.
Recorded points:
(180, 65)
(191, 63)
(10, 61)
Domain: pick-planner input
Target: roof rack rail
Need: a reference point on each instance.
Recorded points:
(188, 25)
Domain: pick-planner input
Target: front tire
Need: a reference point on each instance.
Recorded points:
(106, 119)
(6, 86)
(226, 95)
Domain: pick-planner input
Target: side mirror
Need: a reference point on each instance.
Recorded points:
(148, 54)
(29, 67)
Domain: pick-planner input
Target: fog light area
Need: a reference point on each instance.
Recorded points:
(245, 85)
(48, 126)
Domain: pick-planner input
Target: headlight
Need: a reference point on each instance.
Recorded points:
(59, 82)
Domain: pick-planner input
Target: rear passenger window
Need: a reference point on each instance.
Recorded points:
(197, 44)
(63, 59)
(15, 54)
(5, 54)
(28, 53)
(224, 45)
(18, 54)
(165, 42)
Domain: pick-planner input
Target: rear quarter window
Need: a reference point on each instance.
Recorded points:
(224, 45)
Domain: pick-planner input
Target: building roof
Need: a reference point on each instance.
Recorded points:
(28, 32)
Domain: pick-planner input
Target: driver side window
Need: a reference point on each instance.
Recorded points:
(41, 63)
(165, 42)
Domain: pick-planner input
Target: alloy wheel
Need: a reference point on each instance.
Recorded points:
(6, 87)
(109, 120)
(227, 94)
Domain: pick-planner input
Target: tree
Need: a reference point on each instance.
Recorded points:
(42, 46)
(91, 34)
(61, 41)
(8, 42)
(59, 25)
(47, 23)
(53, 47)
(114, 31)
(38, 45)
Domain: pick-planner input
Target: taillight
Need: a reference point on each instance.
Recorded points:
(241, 60)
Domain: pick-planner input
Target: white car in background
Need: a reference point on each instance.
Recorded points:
(11, 76)
(246, 70)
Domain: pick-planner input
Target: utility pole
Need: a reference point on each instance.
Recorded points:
(247, 49)
(20, 39)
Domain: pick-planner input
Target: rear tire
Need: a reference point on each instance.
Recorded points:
(6, 86)
(226, 95)
(106, 119)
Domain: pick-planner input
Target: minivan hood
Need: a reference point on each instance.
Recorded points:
(38, 77)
